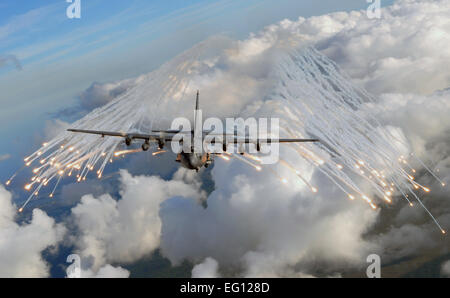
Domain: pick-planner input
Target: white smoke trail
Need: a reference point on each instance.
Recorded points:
(308, 93)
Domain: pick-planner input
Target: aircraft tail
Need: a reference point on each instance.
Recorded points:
(196, 112)
(198, 134)
(196, 101)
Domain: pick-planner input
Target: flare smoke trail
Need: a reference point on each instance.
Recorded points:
(305, 89)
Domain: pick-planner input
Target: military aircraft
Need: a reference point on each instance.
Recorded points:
(191, 159)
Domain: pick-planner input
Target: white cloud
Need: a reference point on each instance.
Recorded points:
(445, 271)
(54, 127)
(4, 157)
(127, 229)
(423, 119)
(280, 232)
(401, 52)
(207, 269)
(424, 122)
(106, 271)
(24, 21)
(21, 246)
(98, 94)
(255, 220)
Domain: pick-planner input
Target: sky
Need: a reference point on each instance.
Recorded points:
(53, 68)
(113, 40)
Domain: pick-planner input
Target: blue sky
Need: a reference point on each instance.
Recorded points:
(113, 40)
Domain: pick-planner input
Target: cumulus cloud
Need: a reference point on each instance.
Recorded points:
(401, 52)
(384, 55)
(106, 271)
(445, 271)
(422, 119)
(21, 246)
(99, 94)
(254, 223)
(127, 229)
(207, 269)
(390, 55)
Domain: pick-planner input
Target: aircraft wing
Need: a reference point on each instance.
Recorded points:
(175, 131)
(128, 135)
(238, 140)
(292, 140)
(160, 135)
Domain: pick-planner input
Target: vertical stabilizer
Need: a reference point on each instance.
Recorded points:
(196, 101)
(198, 129)
(196, 113)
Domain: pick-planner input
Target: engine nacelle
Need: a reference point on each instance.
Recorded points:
(161, 145)
(145, 146)
(241, 149)
(128, 141)
(224, 147)
(258, 146)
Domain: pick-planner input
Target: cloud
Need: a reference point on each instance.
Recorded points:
(4, 157)
(129, 228)
(264, 223)
(24, 21)
(99, 94)
(423, 119)
(207, 269)
(401, 52)
(445, 271)
(424, 122)
(395, 58)
(253, 220)
(54, 127)
(21, 246)
(71, 193)
(254, 225)
(107, 271)
(5, 58)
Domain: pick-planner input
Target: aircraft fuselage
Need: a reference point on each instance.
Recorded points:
(194, 161)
